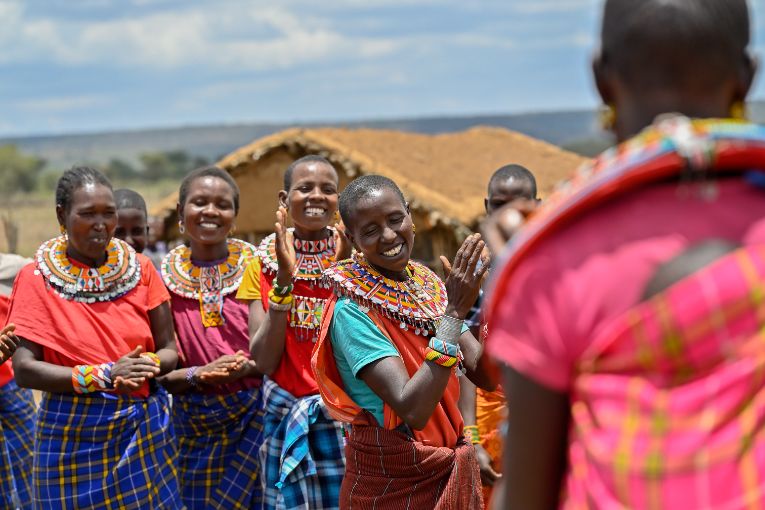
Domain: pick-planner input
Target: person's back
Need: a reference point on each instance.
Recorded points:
(651, 426)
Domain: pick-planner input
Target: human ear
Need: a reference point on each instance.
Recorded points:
(283, 202)
(60, 216)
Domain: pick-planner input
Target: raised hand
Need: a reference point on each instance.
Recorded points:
(343, 245)
(132, 370)
(8, 342)
(464, 276)
(285, 249)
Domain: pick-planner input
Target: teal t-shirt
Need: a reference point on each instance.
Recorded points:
(356, 342)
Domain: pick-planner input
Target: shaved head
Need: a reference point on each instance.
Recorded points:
(675, 43)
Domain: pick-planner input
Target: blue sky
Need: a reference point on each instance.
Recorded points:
(92, 65)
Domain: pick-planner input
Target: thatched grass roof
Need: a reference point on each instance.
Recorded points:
(444, 175)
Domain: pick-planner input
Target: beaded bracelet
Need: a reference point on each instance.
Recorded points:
(444, 347)
(90, 378)
(152, 356)
(440, 358)
(472, 434)
(279, 308)
(279, 300)
(190, 377)
(283, 291)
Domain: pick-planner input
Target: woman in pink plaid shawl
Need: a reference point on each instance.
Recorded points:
(636, 379)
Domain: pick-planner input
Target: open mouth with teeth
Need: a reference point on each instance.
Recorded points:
(395, 251)
(315, 211)
(208, 224)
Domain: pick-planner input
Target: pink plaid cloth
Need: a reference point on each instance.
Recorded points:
(668, 402)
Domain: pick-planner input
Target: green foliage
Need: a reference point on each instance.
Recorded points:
(118, 169)
(170, 164)
(18, 172)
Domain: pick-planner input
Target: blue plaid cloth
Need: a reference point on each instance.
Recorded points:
(303, 452)
(18, 412)
(219, 437)
(102, 451)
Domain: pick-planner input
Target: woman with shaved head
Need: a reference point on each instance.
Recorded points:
(635, 362)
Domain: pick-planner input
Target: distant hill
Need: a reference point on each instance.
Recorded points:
(575, 130)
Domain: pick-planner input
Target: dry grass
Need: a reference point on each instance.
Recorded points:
(36, 217)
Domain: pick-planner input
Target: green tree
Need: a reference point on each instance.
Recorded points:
(118, 169)
(18, 171)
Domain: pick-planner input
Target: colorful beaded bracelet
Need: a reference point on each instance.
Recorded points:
(90, 378)
(443, 347)
(190, 377)
(440, 358)
(283, 291)
(153, 357)
(472, 434)
(279, 300)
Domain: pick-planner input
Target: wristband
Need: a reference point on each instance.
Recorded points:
(286, 307)
(444, 347)
(440, 358)
(472, 434)
(283, 291)
(153, 357)
(449, 329)
(279, 300)
(191, 377)
(90, 378)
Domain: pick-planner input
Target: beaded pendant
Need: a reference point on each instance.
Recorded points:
(208, 283)
(116, 277)
(417, 303)
(312, 257)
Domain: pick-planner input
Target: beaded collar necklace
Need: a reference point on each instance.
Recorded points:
(312, 257)
(417, 302)
(208, 282)
(75, 282)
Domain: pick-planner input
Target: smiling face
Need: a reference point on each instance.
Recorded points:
(90, 221)
(381, 229)
(132, 228)
(312, 197)
(208, 213)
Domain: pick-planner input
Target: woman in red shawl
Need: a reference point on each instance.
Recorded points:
(95, 328)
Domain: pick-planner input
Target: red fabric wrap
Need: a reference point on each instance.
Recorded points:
(387, 469)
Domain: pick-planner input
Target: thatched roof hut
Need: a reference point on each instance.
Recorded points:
(443, 176)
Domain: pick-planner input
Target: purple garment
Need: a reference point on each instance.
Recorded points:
(199, 345)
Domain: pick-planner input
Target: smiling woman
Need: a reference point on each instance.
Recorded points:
(217, 410)
(94, 318)
(377, 370)
(286, 297)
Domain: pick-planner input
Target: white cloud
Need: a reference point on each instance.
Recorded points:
(245, 34)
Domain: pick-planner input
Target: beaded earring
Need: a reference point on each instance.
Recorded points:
(738, 111)
(607, 117)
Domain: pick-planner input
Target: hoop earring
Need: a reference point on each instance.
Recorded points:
(233, 229)
(181, 228)
(414, 228)
(738, 110)
(62, 229)
(607, 117)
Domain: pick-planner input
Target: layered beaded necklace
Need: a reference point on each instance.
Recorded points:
(208, 282)
(74, 282)
(417, 302)
(311, 259)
